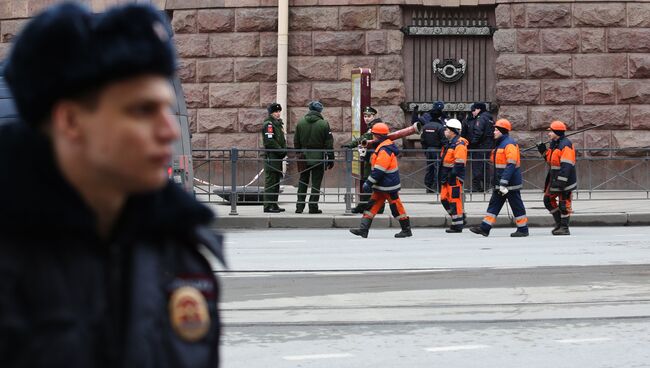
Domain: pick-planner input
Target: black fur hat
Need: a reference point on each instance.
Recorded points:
(274, 107)
(67, 51)
(478, 105)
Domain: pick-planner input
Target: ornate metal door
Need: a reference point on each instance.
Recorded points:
(448, 56)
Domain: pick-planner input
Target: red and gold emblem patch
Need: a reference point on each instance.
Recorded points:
(188, 312)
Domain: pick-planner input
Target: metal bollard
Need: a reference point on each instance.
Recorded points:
(348, 182)
(234, 155)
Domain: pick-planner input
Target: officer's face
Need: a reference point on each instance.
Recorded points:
(475, 112)
(276, 114)
(497, 133)
(368, 118)
(127, 138)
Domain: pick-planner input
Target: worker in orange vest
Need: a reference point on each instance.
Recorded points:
(384, 183)
(561, 179)
(451, 174)
(508, 182)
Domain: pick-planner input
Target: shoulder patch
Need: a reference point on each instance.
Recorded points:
(188, 313)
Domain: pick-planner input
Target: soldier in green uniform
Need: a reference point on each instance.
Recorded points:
(313, 133)
(370, 117)
(274, 141)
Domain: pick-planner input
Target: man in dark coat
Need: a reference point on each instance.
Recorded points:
(276, 145)
(432, 139)
(479, 131)
(313, 135)
(103, 261)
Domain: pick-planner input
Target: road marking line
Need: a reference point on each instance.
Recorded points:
(316, 356)
(572, 341)
(242, 274)
(456, 348)
(287, 241)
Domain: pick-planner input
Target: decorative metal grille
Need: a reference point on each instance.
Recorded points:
(441, 34)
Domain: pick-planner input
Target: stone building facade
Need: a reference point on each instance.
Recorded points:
(586, 63)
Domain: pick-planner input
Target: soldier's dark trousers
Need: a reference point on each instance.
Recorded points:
(431, 175)
(496, 204)
(315, 173)
(479, 168)
(272, 177)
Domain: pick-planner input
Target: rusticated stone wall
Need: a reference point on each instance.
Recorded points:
(583, 63)
(229, 67)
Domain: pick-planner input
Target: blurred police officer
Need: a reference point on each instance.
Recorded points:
(561, 179)
(370, 118)
(479, 131)
(433, 139)
(507, 183)
(313, 135)
(275, 143)
(103, 261)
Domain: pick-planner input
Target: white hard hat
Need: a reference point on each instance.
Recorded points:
(453, 123)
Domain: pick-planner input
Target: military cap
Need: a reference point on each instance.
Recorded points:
(68, 51)
(369, 110)
(316, 106)
(274, 107)
(438, 105)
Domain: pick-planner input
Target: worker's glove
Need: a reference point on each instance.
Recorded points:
(503, 190)
(559, 184)
(367, 187)
(362, 152)
(541, 148)
(414, 115)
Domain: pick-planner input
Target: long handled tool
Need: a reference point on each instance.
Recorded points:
(566, 135)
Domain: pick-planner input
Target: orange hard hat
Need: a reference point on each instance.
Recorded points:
(558, 125)
(503, 123)
(380, 129)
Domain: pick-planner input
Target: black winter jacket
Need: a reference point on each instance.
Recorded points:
(147, 297)
(479, 131)
(433, 132)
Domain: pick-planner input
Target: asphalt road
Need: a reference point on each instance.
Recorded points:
(323, 298)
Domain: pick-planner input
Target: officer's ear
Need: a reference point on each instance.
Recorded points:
(66, 120)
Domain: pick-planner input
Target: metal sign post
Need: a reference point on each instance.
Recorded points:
(361, 84)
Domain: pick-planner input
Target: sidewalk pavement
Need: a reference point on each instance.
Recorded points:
(603, 209)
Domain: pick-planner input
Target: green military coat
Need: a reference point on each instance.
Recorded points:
(273, 138)
(313, 132)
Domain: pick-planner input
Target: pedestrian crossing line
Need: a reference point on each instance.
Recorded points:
(287, 241)
(317, 356)
(456, 348)
(575, 341)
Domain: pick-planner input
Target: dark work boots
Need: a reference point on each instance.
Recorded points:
(558, 218)
(564, 227)
(479, 230)
(519, 234)
(406, 229)
(364, 226)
